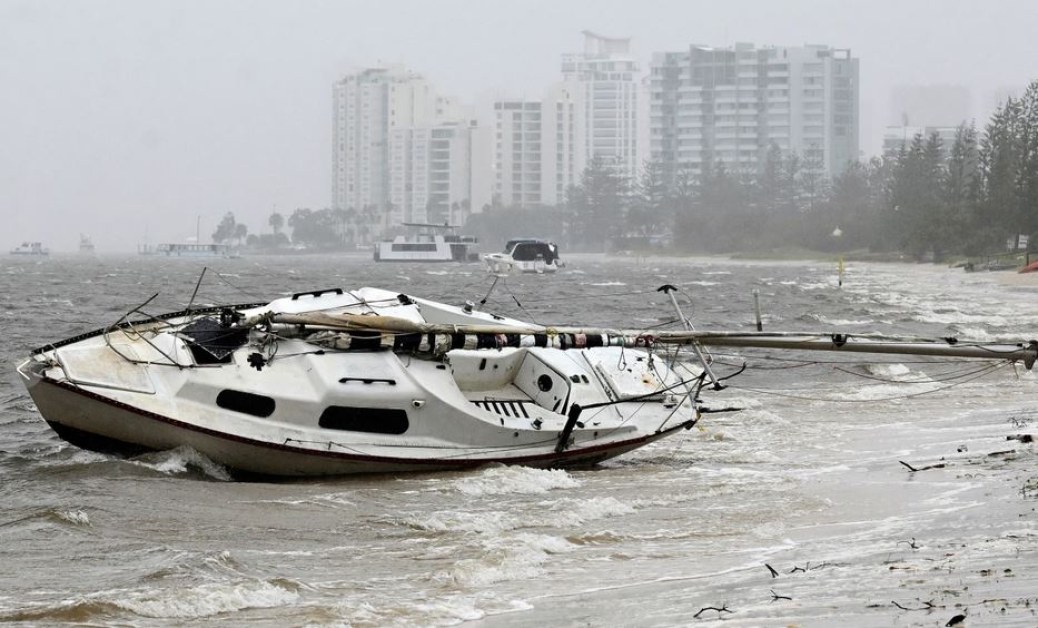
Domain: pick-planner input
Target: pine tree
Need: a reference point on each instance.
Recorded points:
(1027, 177)
(599, 207)
(650, 209)
(960, 190)
(1000, 167)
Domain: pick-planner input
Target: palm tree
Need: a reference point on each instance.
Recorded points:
(276, 221)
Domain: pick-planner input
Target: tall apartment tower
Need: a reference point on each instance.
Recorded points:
(539, 149)
(607, 74)
(439, 174)
(543, 146)
(518, 155)
(399, 146)
(710, 105)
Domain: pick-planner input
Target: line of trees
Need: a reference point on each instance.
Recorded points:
(926, 201)
(322, 229)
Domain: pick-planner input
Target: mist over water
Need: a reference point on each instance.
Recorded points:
(807, 478)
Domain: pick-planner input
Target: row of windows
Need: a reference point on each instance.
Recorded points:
(413, 247)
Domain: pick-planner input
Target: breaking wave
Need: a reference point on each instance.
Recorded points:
(183, 460)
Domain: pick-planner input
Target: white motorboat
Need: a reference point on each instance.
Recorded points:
(428, 243)
(525, 255)
(368, 380)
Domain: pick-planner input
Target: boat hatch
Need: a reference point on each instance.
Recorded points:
(544, 376)
(212, 342)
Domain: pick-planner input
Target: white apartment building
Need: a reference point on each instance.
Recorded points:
(539, 147)
(543, 146)
(518, 161)
(709, 105)
(563, 141)
(607, 73)
(399, 146)
(439, 174)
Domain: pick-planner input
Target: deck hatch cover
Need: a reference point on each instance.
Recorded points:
(211, 342)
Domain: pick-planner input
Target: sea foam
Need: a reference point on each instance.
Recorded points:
(206, 600)
(515, 480)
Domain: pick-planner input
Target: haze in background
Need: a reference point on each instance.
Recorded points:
(133, 121)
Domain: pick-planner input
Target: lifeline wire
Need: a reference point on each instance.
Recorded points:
(980, 373)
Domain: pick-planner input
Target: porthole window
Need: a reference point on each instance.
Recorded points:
(246, 403)
(544, 383)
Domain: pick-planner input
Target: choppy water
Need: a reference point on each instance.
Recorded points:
(807, 479)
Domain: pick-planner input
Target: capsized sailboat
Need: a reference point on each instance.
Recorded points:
(336, 382)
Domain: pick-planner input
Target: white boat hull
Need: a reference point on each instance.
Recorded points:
(95, 422)
(502, 263)
(525, 255)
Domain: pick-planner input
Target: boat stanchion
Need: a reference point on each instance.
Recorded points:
(669, 290)
(756, 309)
(567, 430)
(1029, 359)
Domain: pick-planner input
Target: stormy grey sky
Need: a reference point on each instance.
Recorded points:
(127, 119)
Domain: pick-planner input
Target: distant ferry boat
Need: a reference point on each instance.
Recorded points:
(30, 248)
(432, 243)
(188, 250)
(86, 246)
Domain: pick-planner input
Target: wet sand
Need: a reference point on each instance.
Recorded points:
(1012, 278)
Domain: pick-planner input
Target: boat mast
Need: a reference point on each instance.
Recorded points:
(583, 337)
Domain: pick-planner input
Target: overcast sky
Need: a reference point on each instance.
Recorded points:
(128, 119)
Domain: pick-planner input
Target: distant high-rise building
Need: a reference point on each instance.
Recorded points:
(543, 146)
(402, 148)
(607, 74)
(929, 105)
(438, 174)
(540, 147)
(518, 157)
(731, 105)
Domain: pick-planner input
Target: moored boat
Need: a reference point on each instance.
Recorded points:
(30, 248)
(86, 245)
(188, 249)
(428, 243)
(525, 255)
